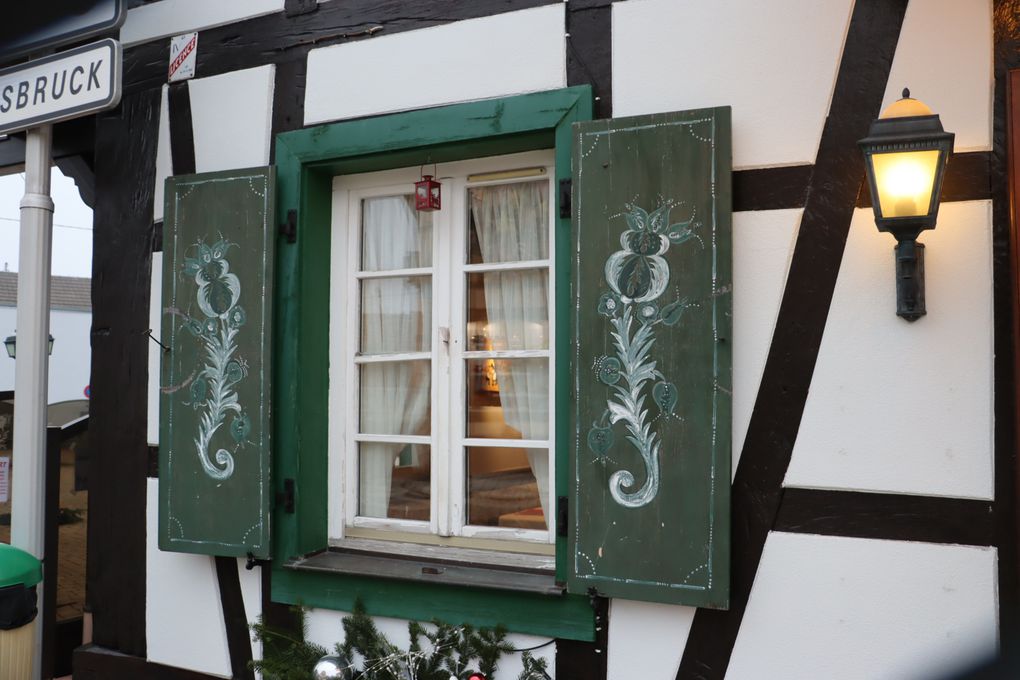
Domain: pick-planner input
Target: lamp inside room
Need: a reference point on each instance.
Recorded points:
(905, 156)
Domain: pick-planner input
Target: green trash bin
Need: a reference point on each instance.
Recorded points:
(19, 575)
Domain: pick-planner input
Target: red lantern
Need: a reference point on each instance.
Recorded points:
(476, 676)
(427, 193)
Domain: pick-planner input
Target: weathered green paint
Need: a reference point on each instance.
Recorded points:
(651, 422)
(567, 616)
(307, 160)
(215, 381)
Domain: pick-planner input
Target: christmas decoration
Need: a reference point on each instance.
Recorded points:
(437, 651)
(332, 668)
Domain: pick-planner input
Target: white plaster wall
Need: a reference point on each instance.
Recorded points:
(646, 640)
(849, 608)
(509, 53)
(954, 77)
(164, 161)
(897, 406)
(173, 17)
(774, 62)
(71, 361)
(762, 250)
(155, 351)
(325, 628)
(231, 115)
(183, 616)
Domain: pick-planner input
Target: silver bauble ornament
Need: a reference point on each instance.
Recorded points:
(332, 668)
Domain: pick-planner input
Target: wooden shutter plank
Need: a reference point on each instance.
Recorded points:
(214, 486)
(651, 422)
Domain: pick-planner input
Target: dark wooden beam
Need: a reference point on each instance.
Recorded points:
(92, 662)
(576, 660)
(238, 638)
(1006, 309)
(288, 99)
(832, 195)
(182, 132)
(590, 52)
(886, 516)
(771, 188)
(126, 140)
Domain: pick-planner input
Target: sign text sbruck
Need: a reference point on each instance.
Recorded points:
(61, 86)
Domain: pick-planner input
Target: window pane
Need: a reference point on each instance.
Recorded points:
(509, 222)
(395, 481)
(506, 487)
(508, 398)
(508, 310)
(395, 397)
(396, 315)
(394, 235)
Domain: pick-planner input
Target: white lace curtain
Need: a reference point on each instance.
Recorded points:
(396, 316)
(511, 222)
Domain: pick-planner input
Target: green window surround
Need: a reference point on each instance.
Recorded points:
(307, 160)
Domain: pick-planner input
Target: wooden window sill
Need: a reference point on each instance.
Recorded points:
(456, 566)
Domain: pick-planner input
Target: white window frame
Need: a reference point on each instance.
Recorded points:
(448, 491)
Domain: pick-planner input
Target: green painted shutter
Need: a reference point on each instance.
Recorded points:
(651, 417)
(215, 383)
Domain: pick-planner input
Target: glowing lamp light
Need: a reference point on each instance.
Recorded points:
(905, 156)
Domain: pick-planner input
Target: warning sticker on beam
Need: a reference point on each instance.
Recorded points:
(183, 51)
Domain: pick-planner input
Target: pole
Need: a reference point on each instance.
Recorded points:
(31, 364)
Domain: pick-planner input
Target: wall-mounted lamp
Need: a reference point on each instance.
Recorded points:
(905, 156)
(11, 344)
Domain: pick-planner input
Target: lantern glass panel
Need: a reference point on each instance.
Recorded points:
(905, 181)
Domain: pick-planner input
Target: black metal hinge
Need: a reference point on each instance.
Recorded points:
(566, 186)
(562, 515)
(285, 498)
(289, 228)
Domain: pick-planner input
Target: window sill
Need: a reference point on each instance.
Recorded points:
(446, 566)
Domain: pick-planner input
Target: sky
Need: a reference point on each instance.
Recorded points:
(72, 225)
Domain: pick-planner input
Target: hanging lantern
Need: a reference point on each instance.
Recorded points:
(427, 193)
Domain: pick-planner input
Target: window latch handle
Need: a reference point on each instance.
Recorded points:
(444, 334)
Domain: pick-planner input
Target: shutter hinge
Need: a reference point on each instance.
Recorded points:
(285, 498)
(289, 228)
(565, 187)
(562, 515)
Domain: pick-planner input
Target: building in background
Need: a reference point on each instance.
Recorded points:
(70, 325)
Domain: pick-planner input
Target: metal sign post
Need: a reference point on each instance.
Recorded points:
(31, 367)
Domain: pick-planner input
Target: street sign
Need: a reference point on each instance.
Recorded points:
(34, 27)
(74, 83)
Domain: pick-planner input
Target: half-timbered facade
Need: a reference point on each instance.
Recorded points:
(426, 395)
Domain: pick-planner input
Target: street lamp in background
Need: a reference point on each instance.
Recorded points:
(11, 343)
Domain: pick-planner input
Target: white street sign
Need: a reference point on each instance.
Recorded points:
(61, 86)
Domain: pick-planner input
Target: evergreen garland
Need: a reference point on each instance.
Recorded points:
(437, 652)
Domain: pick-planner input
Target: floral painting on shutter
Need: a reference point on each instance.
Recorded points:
(652, 282)
(215, 377)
